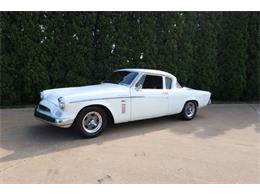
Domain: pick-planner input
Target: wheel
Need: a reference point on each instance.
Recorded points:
(189, 110)
(91, 122)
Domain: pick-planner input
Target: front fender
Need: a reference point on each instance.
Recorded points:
(115, 106)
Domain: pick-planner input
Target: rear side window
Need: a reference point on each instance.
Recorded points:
(178, 85)
(168, 83)
(152, 82)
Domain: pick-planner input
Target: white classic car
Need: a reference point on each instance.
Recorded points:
(127, 95)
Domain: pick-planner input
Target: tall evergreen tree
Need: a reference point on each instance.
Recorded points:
(166, 41)
(8, 60)
(141, 40)
(253, 60)
(147, 40)
(232, 55)
(105, 44)
(185, 47)
(216, 51)
(21, 57)
(79, 56)
(53, 43)
(205, 52)
(120, 49)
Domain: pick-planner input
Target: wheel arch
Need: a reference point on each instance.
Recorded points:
(192, 100)
(196, 102)
(105, 108)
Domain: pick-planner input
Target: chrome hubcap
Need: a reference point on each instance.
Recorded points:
(190, 109)
(92, 122)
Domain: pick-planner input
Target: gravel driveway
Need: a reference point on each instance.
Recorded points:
(221, 145)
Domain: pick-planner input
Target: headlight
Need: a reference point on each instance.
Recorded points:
(61, 103)
(41, 95)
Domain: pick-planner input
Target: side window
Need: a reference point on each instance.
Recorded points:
(153, 82)
(178, 85)
(168, 83)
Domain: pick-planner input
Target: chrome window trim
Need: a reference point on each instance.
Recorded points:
(151, 74)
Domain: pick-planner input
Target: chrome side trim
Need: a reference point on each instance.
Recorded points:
(105, 99)
(137, 97)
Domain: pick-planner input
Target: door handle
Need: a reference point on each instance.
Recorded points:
(164, 93)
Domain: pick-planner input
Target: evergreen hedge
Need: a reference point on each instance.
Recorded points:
(216, 51)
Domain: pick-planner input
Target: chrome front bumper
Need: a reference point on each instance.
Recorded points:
(53, 120)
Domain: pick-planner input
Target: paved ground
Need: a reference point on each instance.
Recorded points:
(221, 145)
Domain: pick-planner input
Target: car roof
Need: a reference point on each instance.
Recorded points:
(148, 71)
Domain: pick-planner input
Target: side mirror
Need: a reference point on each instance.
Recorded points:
(139, 87)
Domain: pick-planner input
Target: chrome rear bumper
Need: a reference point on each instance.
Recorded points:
(53, 120)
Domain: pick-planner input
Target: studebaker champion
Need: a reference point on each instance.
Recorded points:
(127, 95)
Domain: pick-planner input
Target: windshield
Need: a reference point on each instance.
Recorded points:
(121, 77)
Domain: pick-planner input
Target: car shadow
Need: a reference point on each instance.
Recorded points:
(32, 138)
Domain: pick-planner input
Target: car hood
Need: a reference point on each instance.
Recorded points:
(104, 90)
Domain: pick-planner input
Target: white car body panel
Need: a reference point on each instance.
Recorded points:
(148, 103)
(126, 103)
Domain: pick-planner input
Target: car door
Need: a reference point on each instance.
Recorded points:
(149, 98)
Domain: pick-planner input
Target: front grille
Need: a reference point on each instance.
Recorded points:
(44, 117)
(44, 108)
